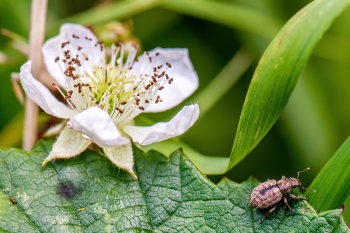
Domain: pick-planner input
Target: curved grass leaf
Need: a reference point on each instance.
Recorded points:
(89, 194)
(228, 14)
(333, 182)
(278, 72)
(119, 10)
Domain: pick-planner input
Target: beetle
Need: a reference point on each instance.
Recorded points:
(269, 193)
(12, 200)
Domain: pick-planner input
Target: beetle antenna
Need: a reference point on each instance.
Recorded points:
(306, 169)
(311, 190)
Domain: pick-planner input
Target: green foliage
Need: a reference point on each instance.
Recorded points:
(333, 182)
(104, 14)
(278, 71)
(232, 15)
(89, 194)
(312, 126)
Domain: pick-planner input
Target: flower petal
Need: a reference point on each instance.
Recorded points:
(78, 36)
(42, 96)
(164, 130)
(97, 125)
(182, 71)
(122, 157)
(69, 144)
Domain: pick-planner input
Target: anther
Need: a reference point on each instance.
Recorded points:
(119, 110)
(64, 44)
(57, 59)
(170, 80)
(157, 54)
(158, 99)
(141, 108)
(75, 36)
(79, 48)
(168, 64)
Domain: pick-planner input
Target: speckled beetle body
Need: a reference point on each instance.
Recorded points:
(269, 193)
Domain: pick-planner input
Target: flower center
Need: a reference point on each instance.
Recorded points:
(122, 89)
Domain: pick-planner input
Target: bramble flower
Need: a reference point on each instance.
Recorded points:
(101, 100)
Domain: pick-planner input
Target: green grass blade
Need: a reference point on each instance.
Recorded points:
(209, 165)
(332, 184)
(230, 15)
(224, 81)
(102, 14)
(278, 71)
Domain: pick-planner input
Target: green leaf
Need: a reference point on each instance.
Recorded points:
(228, 14)
(333, 182)
(278, 71)
(89, 194)
(116, 11)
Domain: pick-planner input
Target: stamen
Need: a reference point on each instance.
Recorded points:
(54, 86)
(122, 89)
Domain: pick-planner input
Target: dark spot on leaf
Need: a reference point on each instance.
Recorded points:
(67, 189)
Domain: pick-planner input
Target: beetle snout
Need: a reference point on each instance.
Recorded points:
(295, 182)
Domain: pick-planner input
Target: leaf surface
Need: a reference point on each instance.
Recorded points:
(278, 71)
(89, 194)
(333, 181)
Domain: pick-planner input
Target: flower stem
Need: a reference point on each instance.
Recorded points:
(36, 38)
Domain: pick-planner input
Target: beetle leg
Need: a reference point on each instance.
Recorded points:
(297, 197)
(269, 212)
(286, 202)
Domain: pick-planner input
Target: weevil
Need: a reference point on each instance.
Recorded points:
(269, 193)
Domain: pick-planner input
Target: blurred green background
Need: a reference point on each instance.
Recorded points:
(314, 124)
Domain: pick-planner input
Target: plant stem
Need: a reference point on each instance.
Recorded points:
(36, 38)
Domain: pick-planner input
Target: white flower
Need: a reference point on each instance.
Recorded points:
(103, 99)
